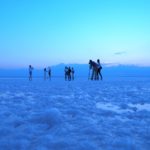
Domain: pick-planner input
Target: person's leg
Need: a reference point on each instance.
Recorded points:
(30, 76)
(70, 76)
(95, 74)
(101, 76)
(44, 75)
(65, 76)
(92, 76)
(98, 74)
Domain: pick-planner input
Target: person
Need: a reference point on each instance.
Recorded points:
(72, 73)
(69, 74)
(66, 72)
(93, 66)
(30, 72)
(49, 72)
(45, 73)
(99, 70)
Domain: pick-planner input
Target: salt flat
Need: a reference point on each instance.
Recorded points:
(79, 115)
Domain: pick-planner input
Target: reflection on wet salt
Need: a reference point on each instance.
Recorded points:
(111, 107)
(141, 107)
(117, 109)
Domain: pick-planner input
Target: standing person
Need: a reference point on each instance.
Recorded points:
(30, 72)
(69, 74)
(94, 67)
(45, 73)
(66, 72)
(99, 70)
(49, 73)
(72, 73)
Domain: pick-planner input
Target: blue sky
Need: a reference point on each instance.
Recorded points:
(49, 32)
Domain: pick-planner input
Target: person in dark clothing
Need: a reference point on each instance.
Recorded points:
(30, 72)
(66, 72)
(49, 73)
(72, 73)
(69, 74)
(94, 67)
(99, 70)
(45, 73)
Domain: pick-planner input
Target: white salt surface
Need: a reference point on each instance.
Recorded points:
(79, 115)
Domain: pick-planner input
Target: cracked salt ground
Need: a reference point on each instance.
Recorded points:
(79, 115)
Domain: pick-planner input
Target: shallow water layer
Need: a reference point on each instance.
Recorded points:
(77, 115)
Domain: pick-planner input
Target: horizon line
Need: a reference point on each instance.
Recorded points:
(66, 64)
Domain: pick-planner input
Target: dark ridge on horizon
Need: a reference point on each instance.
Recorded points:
(76, 64)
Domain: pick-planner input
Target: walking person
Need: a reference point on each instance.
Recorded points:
(30, 72)
(99, 70)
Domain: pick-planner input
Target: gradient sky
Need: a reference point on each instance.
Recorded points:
(48, 32)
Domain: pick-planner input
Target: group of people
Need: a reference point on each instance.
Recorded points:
(47, 71)
(69, 73)
(96, 70)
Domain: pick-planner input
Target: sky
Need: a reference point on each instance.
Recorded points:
(49, 32)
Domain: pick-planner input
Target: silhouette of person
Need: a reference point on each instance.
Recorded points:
(66, 72)
(94, 67)
(30, 72)
(45, 73)
(69, 74)
(99, 70)
(49, 72)
(72, 73)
